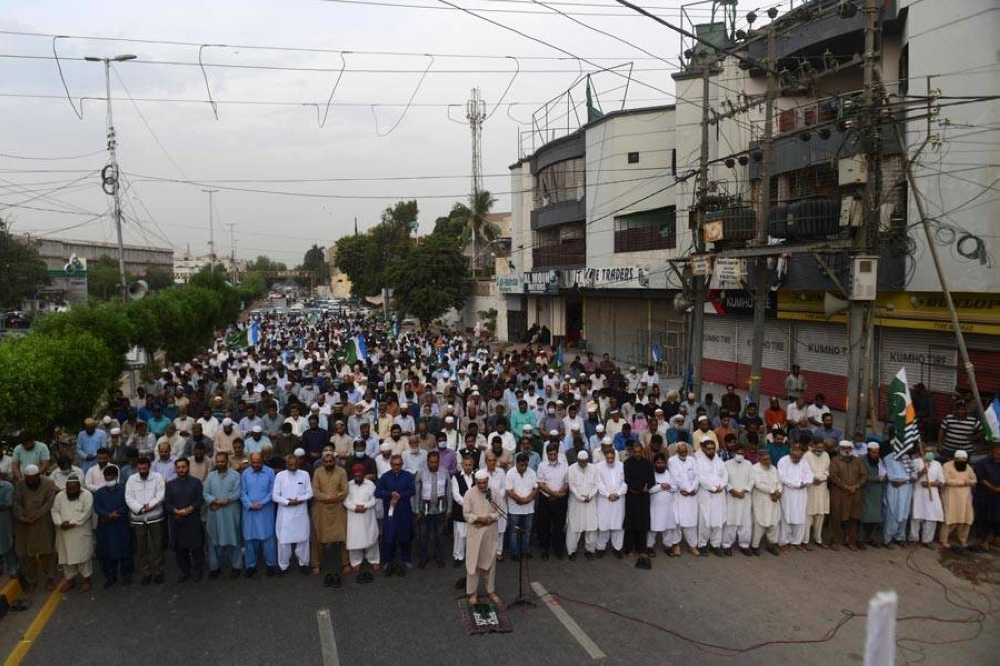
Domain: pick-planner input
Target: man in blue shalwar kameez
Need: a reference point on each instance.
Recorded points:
(256, 486)
(395, 488)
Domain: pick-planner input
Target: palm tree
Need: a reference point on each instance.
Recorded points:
(477, 230)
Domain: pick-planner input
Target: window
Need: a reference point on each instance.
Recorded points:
(559, 182)
(633, 158)
(647, 230)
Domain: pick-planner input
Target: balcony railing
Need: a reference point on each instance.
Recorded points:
(565, 254)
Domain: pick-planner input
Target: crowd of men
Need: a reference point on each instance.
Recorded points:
(295, 455)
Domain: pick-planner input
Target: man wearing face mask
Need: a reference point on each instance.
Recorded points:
(34, 533)
(959, 480)
(114, 539)
(900, 475)
(447, 457)
(927, 509)
(739, 522)
(818, 496)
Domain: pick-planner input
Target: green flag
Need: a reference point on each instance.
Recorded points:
(237, 340)
(904, 417)
(349, 352)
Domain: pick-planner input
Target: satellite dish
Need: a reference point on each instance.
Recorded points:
(138, 290)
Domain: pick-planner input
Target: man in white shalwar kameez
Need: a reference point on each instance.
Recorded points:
(662, 509)
(498, 488)
(682, 469)
(362, 528)
(712, 480)
(581, 516)
(611, 490)
(292, 492)
(739, 521)
(927, 508)
(766, 500)
(796, 477)
(71, 513)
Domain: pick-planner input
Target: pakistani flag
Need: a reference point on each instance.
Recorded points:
(237, 339)
(253, 334)
(993, 420)
(557, 360)
(903, 415)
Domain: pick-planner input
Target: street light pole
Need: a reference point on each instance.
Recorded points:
(110, 174)
(211, 229)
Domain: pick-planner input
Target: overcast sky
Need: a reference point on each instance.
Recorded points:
(162, 141)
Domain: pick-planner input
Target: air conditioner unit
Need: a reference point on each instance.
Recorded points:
(864, 278)
(852, 170)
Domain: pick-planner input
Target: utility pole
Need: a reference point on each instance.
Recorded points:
(763, 215)
(698, 282)
(232, 247)
(211, 228)
(862, 312)
(110, 174)
(963, 351)
(475, 113)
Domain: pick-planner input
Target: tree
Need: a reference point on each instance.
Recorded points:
(21, 271)
(478, 231)
(366, 259)
(158, 278)
(264, 263)
(102, 278)
(429, 279)
(315, 263)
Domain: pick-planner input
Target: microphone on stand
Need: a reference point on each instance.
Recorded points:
(489, 495)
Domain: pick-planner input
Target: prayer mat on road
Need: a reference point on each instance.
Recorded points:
(484, 618)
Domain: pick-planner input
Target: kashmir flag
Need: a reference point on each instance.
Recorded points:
(903, 415)
(237, 339)
(557, 360)
(993, 420)
(253, 333)
(656, 352)
(361, 348)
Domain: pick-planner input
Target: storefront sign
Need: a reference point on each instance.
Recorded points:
(977, 313)
(541, 282)
(510, 284)
(737, 301)
(611, 277)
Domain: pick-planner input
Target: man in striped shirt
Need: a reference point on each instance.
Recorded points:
(959, 432)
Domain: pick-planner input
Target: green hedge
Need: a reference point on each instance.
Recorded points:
(56, 375)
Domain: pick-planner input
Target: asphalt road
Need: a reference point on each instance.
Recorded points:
(731, 602)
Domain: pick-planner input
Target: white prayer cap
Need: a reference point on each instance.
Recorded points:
(164, 370)
(256, 429)
(106, 420)
(116, 431)
(691, 396)
(299, 453)
(846, 444)
(227, 421)
(315, 405)
(599, 428)
(575, 426)
(583, 455)
(403, 404)
(526, 428)
(606, 440)
(702, 418)
(705, 440)
(553, 433)
(385, 446)
(31, 470)
(658, 411)
(591, 406)
(449, 419)
(481, 475)
(560, 402)
(873, 446)
(961, 455)
(450, 408)
(573, 382)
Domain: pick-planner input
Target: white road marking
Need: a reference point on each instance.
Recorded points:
(327, 642)
(571, 626)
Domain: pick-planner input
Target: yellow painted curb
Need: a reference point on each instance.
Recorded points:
(12, 591)
(35, 629)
